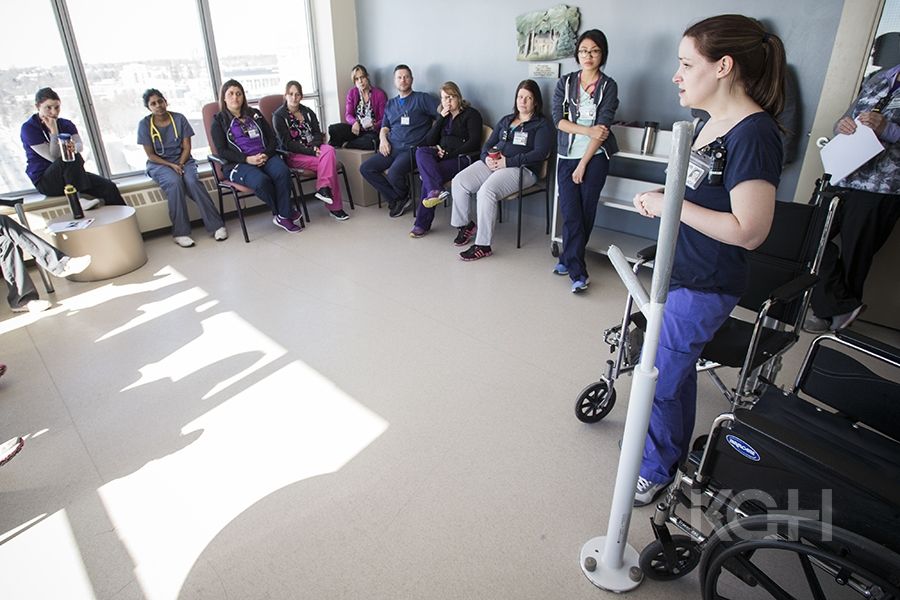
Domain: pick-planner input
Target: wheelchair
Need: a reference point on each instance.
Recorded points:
(782, 274)
(797, 495)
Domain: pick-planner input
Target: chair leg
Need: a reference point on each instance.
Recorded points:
(299, 198)
(240, 213)
(347, 187)
(519, 231)
(379, 199)
(547, 206)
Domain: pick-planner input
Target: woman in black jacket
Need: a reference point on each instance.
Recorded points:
(246, 142)
(456, 132)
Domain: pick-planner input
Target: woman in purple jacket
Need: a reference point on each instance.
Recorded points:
(363, 113)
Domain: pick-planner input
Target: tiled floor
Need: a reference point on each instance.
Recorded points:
(340, 413)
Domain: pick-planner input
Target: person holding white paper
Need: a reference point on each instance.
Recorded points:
(869, 210)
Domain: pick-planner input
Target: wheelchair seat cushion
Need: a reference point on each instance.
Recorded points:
(859, 457)
(729, 345)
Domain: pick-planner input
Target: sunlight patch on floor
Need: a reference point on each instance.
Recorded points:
(292, 425)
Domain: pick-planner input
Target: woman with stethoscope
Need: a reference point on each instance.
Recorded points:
(166, 138)
(584, 105)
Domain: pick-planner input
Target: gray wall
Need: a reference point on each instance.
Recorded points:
(473, 42)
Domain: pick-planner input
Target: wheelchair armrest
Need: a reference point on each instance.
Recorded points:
(879, 349)
(216, 159)
(646, 254)
(794, 288)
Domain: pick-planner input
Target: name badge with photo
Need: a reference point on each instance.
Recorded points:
(404, 120)
(520, 138)
(366, 122)
(698, 169)
(252, 133)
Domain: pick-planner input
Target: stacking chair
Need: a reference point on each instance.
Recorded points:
(543, 184)
(223, 185)
(267, 106)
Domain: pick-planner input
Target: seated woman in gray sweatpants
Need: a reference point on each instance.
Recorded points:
(523, 138)
(166, 138)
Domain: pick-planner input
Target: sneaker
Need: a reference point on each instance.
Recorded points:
(560, 269)
(34, 306)
(580, 285)
(73, 265)
(340, 215)
(466, 234)
(221, 234)
(297, 217)
(2, 369)
(434, 198)
(399, 207)
(475, 252)
(184, 241)
(843, 321)
(286, 224)
(88, 204)
(417, 232)
(9, 449)
(324, 194)
(814, 324)
(647, 491)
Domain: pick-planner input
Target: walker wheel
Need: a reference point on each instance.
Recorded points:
(594, 402)
(554, 250)
(685, 556)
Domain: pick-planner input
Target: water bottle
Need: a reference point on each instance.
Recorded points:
(68, 155)
(74, 203)
(649, 141)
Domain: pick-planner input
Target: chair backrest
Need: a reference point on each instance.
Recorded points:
(787, 253)
(486, 131)
(268, 105)
(209, 111)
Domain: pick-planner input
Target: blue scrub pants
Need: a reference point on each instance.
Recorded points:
(177, 189)
(398, 164)
(271, 184)
(690, 320)
(578, 205)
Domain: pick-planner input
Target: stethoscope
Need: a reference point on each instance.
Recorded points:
(155, 135)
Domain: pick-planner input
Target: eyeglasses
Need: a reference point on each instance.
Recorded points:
(595, 52)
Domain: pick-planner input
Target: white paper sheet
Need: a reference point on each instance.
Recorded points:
(69, 225)
(846, 153)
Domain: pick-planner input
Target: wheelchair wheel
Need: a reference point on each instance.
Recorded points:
(685, 556)
(554, 250)
(786, 557)
(595, 401)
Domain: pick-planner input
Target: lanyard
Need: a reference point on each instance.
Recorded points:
(156, 135)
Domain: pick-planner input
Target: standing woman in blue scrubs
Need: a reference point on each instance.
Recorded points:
(166, 138)
(584, 105)
(733, 69)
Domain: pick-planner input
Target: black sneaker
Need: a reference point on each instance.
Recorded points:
(399, 207)
(324, 194)
(340, 215)
(466, 234)
(475, 252)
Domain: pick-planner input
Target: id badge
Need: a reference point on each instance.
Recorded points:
(404, 120)
(253, 133)
(520, 138)
(698, 169)
(366, 122)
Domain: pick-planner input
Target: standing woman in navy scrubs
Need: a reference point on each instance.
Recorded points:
(584, 105)
(166, 138)
(733, 69)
